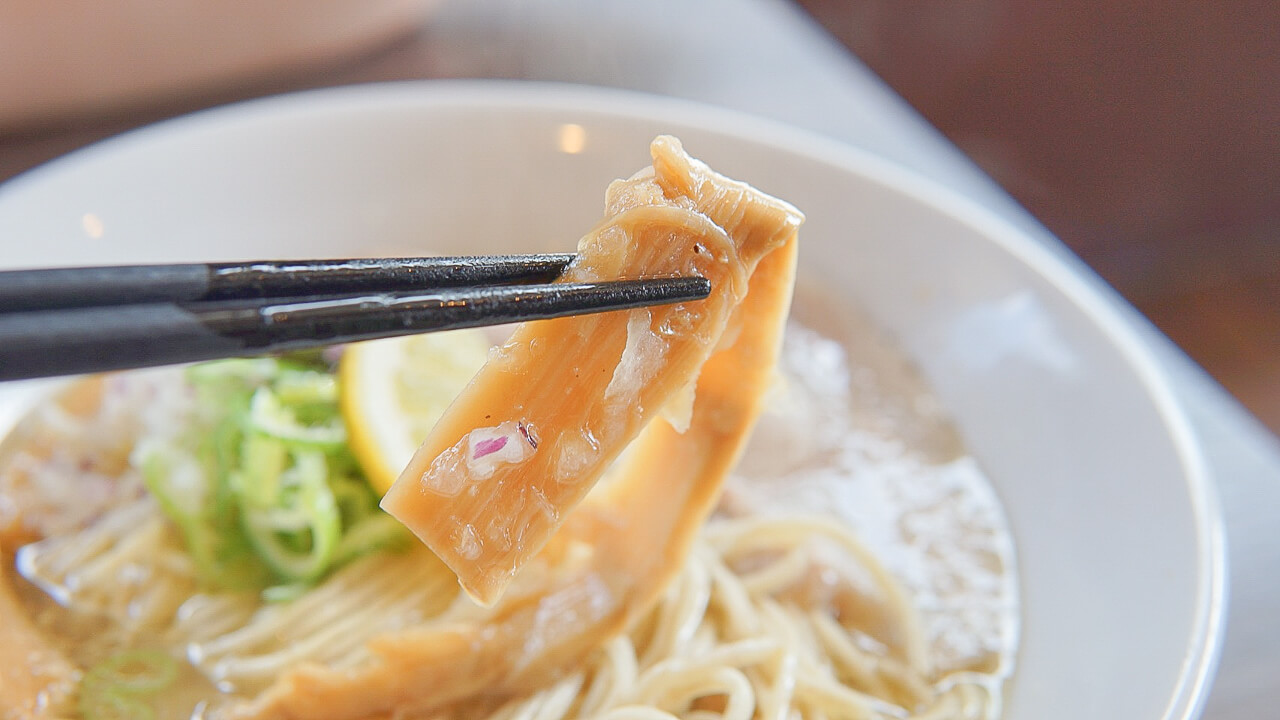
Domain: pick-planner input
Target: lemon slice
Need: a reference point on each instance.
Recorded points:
(393, 391)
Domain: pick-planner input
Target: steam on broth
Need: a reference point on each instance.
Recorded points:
(855, 564)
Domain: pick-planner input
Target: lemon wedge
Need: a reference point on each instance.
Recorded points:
(393, 391)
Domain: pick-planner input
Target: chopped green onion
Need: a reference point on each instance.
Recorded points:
(306, 360)
(118, 686)
(377, 531)
(269, 416)
(134, 672)
(353, 498)
(298, 553)
(262, 485)
(214, 542)
(285, 593)
(305, 387)
(263, 460)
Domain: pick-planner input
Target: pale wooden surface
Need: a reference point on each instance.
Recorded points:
(768, 58)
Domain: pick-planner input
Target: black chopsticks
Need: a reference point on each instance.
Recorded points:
(57, 288)
(77, 320)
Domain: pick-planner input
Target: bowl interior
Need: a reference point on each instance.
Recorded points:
(1113, 525)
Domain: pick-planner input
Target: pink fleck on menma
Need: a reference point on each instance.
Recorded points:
(489, 447)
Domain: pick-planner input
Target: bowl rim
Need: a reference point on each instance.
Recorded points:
(1057, 266)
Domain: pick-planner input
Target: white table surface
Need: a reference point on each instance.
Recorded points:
(767, 57)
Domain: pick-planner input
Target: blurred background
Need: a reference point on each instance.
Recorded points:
(1146, 135)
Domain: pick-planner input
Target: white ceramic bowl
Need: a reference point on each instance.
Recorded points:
(1120, 546)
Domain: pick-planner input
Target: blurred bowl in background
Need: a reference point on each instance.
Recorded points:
(61, 59)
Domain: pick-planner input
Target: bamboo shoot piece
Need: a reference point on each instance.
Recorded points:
(547, 415)
(556, 405)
